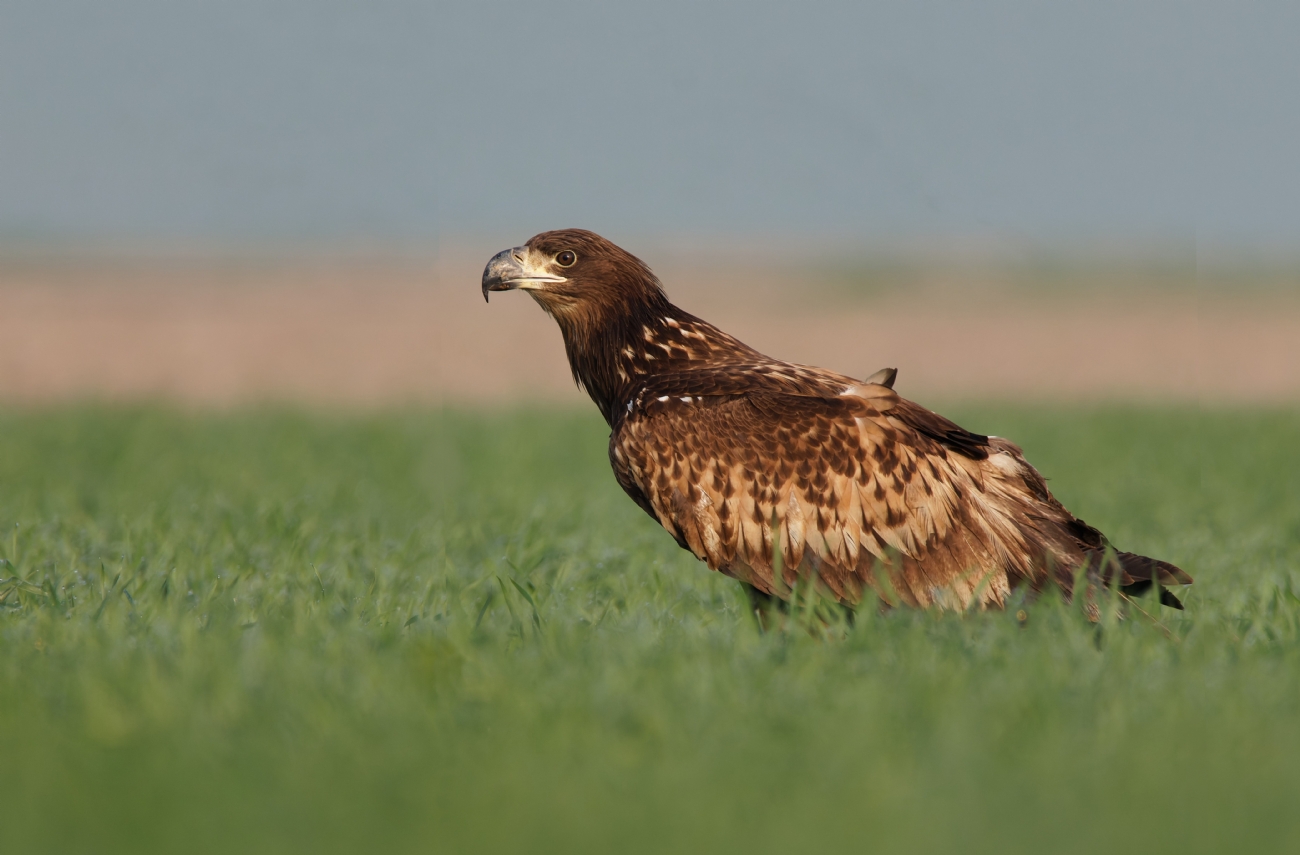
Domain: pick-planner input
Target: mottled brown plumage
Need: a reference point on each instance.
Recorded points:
(866, 489)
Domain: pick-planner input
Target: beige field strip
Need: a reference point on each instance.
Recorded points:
(380, 332)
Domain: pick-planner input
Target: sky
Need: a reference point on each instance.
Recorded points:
(318, 120)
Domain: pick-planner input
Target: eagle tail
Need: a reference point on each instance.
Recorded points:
(1139, 573)
(1135, 574)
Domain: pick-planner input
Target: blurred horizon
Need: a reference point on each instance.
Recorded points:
(228, 203)
(1159, 129)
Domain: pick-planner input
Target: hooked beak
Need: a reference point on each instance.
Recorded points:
(513, 268)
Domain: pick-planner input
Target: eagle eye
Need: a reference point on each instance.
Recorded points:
(566, 258)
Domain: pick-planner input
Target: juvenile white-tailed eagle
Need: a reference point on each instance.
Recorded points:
(720, 443)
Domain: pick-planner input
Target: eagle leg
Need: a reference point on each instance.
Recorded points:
(761, 604)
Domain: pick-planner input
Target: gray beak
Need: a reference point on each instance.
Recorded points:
(518, 268)
(504, 272)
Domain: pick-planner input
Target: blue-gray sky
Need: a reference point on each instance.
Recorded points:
(315, 119)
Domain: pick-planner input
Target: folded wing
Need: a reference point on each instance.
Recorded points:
(866, 489)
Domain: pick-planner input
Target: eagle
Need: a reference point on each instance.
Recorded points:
(779, 474)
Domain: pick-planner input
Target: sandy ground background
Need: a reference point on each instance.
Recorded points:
(379, 329)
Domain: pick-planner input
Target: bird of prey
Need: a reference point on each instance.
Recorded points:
(775, 473)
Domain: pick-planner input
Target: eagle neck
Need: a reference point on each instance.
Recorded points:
(616, 358)
(598, 345)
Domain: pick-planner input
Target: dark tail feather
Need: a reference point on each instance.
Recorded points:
(1167, 597)
(1135, 574)
(1139, 568)
(1138, 572)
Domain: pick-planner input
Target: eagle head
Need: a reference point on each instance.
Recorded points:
(574, 274)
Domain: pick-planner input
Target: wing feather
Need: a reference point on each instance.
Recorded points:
(860, 482)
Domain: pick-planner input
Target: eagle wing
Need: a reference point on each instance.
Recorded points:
(859, 484)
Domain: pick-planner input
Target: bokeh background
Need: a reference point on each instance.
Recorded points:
(225, 202)
(305, 548)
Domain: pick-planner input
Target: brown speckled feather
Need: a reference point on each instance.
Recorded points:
(859, 483)
(867, 490)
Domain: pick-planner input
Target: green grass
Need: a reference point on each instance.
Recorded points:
(272, 631)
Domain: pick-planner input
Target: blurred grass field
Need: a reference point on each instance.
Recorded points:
(284, 631)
